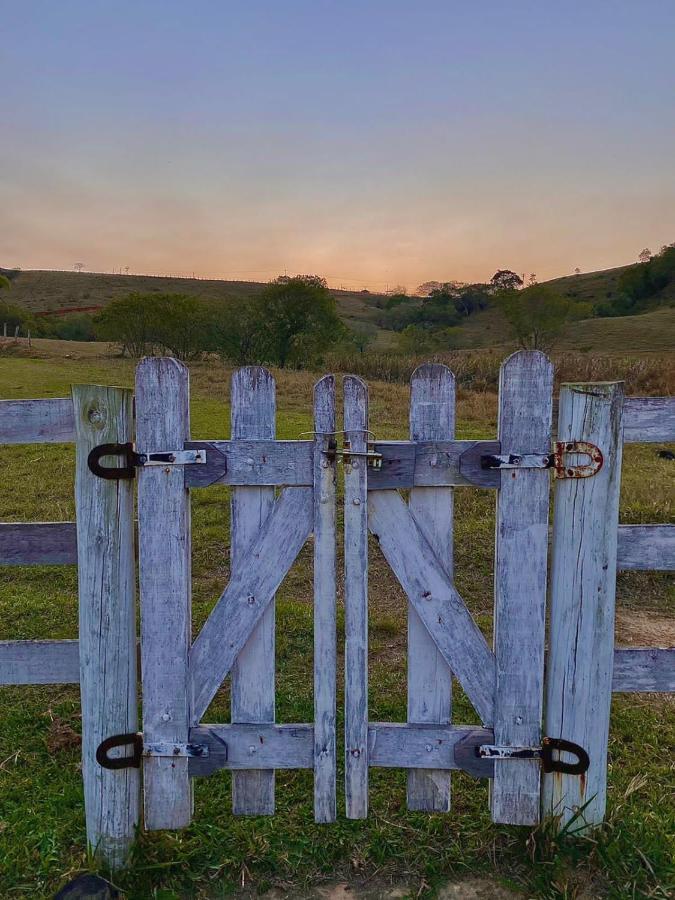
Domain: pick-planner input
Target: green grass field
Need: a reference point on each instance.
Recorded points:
(41, 810)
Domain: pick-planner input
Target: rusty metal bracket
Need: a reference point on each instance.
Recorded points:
(555, 460)
(372, 457)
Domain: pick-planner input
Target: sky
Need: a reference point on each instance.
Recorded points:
(377, 143)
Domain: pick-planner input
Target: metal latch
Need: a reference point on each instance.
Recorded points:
(554, 460)
(372, 457)
(476, 754)
(134, 460)
(134, 740)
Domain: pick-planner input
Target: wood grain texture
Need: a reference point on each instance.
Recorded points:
(644, 669)
(325, 638)
(646, 547)
(583, 583)
(426, 463)
(38, 543)
(251, 463)
(649, 419)
(430, 589)
(432, 418)
(106, 573)
(39, 662)
(253, 412)
(252, 747)
(163, 420)
(248, 594)
(37, 421)
(408, 746)
(521, 557)
(356, 600)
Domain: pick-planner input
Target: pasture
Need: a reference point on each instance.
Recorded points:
(41, 814)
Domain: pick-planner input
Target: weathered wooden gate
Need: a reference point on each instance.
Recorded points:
(282, 493)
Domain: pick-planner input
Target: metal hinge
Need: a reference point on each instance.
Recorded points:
(135, 460)
(173, 749)
(544, 753)
(554, 460)
(475, 755)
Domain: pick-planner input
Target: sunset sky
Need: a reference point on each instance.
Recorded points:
(374, 142)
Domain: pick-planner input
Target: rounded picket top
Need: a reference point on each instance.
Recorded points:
(324, 405)
(432, 402)
(356, 403)
(253, 404)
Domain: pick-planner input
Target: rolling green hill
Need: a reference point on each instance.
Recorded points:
(40, 290)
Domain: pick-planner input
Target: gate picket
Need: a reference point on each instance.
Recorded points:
(356, 600)
(325, 649)
(253, 416)
(164, 544)
(432, 418)
(583, 585)
(521, 554)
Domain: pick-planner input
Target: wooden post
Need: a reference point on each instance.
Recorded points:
(107, 642)
(521, 557)
(325, 649)
(162, 424)
(356, 600)
(253, 413)
(432, 418)
(583, 583)
(4, 330)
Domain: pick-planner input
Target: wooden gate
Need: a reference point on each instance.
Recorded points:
(400, 491)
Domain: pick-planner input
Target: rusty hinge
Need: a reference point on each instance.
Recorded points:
(134, 460)
(554, 460)
(173, 749)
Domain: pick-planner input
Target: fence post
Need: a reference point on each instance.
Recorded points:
(163, 423)
(107, 629)
(253, 413)
(432, 418)
(356, 600)
(325, 640)
(521, 557)
(583, 582)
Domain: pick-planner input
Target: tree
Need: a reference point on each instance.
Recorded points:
(130, 322)
(505, 280)
(235, 332)
(425, 289)
(645, 255)
(4, 283)
(78, 267)
(537, 315)
(577, 271)
(179, 325)
(298, 320)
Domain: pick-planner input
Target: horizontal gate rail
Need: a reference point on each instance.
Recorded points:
(646, 547)
(38, 543)
(37, 421)
(644, 670)
(39, 662)
(649, 419)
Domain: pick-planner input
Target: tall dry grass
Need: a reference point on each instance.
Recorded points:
(479, 370)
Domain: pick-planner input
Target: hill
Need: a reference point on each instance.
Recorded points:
(47, 291)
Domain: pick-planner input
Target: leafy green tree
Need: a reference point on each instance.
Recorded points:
(4, 283)
(298, 320)
(505, 280)
(537, 315)
(235, 332)
(180, 325)
(130, 322)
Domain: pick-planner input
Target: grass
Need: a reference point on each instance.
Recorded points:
(41, 812)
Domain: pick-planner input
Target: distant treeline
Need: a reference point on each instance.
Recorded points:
(639, 285)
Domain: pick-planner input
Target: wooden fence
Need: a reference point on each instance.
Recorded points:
(505, 683)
